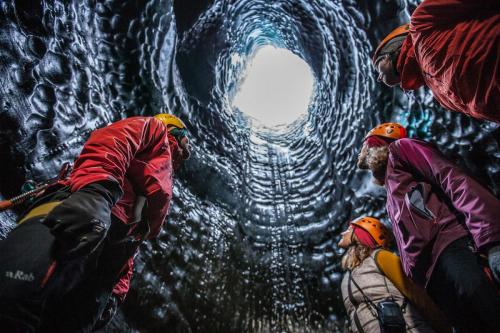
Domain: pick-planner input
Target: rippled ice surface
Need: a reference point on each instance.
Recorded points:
(250, 243)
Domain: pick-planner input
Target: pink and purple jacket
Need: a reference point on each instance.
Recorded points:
(431, 203)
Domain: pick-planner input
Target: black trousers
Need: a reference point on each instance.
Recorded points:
(77, 311)
(460, 287)
(71, 301)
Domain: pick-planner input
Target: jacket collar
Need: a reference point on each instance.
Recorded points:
(408, 68)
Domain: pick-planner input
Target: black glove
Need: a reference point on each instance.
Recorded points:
(81, 221)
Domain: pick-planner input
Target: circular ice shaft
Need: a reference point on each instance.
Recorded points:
(276, 87)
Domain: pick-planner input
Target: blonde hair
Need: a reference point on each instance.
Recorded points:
(354, 256)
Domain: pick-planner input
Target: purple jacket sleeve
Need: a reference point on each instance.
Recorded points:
(480, 208)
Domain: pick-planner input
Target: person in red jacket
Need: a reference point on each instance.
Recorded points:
(452, 47)
(116, 196)
(442, 219)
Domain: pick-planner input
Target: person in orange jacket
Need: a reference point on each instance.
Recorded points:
(116, 197)
(452, 47)
(375, 280)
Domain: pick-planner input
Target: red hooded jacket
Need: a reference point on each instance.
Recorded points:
(454, 48)
(138, 154)
(431, 202)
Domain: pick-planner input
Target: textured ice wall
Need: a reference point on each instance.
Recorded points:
(250, 241)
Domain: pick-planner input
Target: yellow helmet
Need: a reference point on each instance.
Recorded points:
(375, 228)
(393, 131)
(170, 120)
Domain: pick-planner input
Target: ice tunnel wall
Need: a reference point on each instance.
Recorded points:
(249, 244)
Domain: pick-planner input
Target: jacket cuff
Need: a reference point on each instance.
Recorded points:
(108, 189)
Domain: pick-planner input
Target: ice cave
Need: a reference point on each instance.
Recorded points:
(250, 243)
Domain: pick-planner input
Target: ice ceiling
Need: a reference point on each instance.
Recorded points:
(249, 245)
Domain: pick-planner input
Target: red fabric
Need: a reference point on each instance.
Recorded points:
(121, 288)
(454, 48)
(454, 206)
(364, 237)
(48, 274)
(408, 68)
(137, 153)
(376, 141)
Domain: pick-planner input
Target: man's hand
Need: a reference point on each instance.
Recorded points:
(81, 221)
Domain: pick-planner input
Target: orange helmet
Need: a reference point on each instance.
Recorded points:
(399, 31)
(388, 130)
(375, 228)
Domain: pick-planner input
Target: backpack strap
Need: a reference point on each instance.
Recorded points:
(349, 291)
(355, 303)
(367, 300)
(388, 263)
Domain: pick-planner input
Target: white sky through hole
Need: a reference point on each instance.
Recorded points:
(277, 87)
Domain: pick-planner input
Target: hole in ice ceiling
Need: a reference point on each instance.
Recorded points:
(276, 87)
